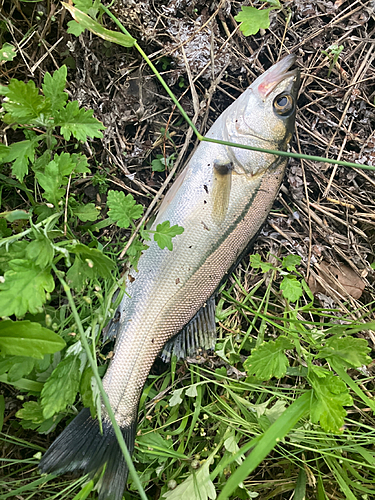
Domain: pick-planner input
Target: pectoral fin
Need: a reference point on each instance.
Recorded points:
(222, 183)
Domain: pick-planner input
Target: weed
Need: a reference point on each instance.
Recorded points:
(333, 53)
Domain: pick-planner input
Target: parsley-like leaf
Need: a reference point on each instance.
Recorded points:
(75, 28)
(164, 233)
(257, 263)
(61, 387)
(78, 122)
(350, 352)
(23, 102)
(53, 88)
(40, 250)
(21, 367)
(268, 360)
(24, 288)
(291, 261)
(51, 181)
(134, 252)
(7, 52)
(86, 212)
(26, 338)
(22, 152)
(252, 20)
(31, 410)
(291, 288)
(122, 209)
(330, 396)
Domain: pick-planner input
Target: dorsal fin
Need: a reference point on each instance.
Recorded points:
(197, 336)
(222, 183)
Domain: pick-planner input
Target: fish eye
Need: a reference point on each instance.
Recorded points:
(283, 104)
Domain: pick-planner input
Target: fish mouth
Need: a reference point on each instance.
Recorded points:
(276, 74)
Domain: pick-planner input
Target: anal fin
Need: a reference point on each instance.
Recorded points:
(197, 336)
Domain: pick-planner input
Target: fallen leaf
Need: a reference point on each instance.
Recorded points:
(340, 278)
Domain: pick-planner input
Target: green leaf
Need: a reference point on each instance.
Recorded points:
(164, 234)
(4, 151)
(98, 263)
(252, 20)
(290, 262)
(24, 288)
(350, 352)
(16, 215)
(176, 398)
(197, 486)
(291, 288)
(86, 212)
(32, 411)
(61, 387)
(86, 22)
(40, 251)
(122, 209)
(78, 122)
(25, 338)
(89, 263)
(257, 263)
(135, 251)
(51, 181)
(5, 231)
(21, 366)
(7, 52)
(22, 152)
(53, 88)
(158, 164)
(23, 102)
(268, 360)
(330, 396)
(75, 29)
(85, 388)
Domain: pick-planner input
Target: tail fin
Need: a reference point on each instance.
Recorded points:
(82, 447)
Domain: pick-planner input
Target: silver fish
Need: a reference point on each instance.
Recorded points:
(221, 199)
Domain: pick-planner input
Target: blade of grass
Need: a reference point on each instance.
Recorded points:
(106, 402)
(267, 442)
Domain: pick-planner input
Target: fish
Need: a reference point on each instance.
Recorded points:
(221, 199)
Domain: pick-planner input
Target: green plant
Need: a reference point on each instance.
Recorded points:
(42, 243)
(333, 53)
(253, 19)
(160, 163)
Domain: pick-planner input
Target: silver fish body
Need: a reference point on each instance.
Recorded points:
(221, 199)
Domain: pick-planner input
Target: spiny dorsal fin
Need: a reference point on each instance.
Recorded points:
(197, 336)
(222, 183)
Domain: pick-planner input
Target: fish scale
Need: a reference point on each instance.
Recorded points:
(221, 199)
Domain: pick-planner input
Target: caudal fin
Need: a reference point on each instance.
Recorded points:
(81, 447)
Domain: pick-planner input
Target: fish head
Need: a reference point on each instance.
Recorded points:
(264, 116)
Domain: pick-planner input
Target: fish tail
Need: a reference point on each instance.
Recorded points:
(81, 447)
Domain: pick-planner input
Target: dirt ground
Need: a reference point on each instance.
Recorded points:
(324, 213)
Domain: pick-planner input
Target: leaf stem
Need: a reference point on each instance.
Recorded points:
(106, 402)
